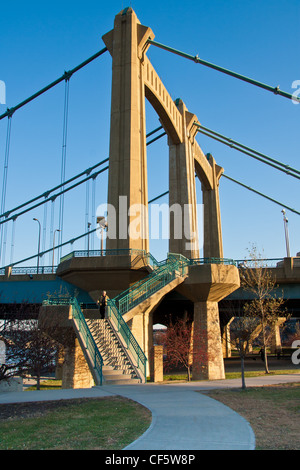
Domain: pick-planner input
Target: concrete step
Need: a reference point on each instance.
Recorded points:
(118, 376)
(116, 369)
(120, 381)
(111, 372)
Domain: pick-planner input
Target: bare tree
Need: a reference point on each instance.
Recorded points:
(179, 340)
(14, 335)
(243, 330)
(26, 345)
(14, 340)
(266, 307)
(41, 352)
(177, 343)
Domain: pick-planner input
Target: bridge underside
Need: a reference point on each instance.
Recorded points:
(209, 295)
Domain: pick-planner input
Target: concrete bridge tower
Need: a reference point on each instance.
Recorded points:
(134, 79)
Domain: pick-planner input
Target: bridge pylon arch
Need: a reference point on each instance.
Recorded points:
(134, 79)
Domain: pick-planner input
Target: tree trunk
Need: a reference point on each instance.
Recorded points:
(265, 348)
(266, 361)
(189, 374)
(243, 372)
(38, 380)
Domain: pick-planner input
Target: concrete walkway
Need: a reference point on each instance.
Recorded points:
(182, 419)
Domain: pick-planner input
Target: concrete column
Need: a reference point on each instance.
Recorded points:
(75, 371)
(127, 184)
(184, 237)
(226, 339)
(72, 367)
(157, 364)
(276, 337)
(208, 356)
(213, 245)
(59, 364)
(141, 326)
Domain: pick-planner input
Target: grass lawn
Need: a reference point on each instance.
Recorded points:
(81, 424)
(49, 384)
(272, 411)
(233, 375)
(111, 423)
(259, 373)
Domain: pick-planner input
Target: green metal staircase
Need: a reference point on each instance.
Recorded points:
(93, 340)
(118, 367)
(162, 274)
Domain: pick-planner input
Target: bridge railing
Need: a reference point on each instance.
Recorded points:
(226, 261)
(133, 347)
(15, 270)
(92, 253)
(149, 259)
(263, 262)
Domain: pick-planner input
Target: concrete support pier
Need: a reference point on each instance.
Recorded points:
(205, 286)
(208, 355)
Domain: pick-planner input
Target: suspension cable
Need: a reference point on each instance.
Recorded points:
(272, 160)
(12, 245)
(4, 184)
(44, 234)
(42, 253)
(51, 226)
(158, 197)
(63, 159)
(66, 75)
(149, 202)
(54, 196)
(252, 153)
(197, 60)
(154, 131)
(72, 240)
(260, 194)
(47, 193)
(87, 210)
(156, 138)
(93, 208)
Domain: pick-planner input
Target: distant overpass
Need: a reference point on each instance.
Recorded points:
(287, 275)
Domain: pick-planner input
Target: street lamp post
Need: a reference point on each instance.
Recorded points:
(39, 243)
(57, 230)
(286, 230)
(88, 227)
(103, 224)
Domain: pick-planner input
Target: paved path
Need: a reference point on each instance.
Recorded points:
(182, 419)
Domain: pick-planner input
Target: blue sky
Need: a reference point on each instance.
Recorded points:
(259, 39)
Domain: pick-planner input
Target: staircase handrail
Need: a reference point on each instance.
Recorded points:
(159, 267)
(88, 338)
(149, 285)
(84, 331)
(130, 342)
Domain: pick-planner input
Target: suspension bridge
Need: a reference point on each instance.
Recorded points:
(137, 283)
